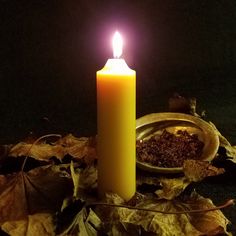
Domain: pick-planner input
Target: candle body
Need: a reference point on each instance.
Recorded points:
(116, 114)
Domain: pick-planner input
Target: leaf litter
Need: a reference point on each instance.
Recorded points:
(201, 223)
(30, 202)
(77, 148)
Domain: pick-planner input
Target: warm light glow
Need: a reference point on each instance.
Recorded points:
(117, 44)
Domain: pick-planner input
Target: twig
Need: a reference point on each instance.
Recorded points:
(37, 140)
(226, 204)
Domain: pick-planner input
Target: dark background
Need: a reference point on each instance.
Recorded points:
(51, 50)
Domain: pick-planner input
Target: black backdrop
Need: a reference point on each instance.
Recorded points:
(51, 50)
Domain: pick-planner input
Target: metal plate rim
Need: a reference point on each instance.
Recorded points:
(212, 139)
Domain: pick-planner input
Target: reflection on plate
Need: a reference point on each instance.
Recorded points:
(154, 124)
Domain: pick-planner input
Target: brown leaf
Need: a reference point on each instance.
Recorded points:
(172, 188)
(78, 148)
(40, 151)
(178, 103)
(84, 180)
(165, 188)
(181, 104)
(198, 170)
(189, 224)
(230, 150)
(36, 225)
(211, 222)
(149, 180)
(40, 190)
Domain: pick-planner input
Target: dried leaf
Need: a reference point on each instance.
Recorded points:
(149, 180)
(78, 148)
(172, 188)
(230, 150)
(36, 225)
(170, 224)
(84, 180)
(182, 104)
(41, 151)
(84, 223)
(211, 222)
(198, 170)
(163, 187)
(75, 179)
(40, 190)
(178, 103)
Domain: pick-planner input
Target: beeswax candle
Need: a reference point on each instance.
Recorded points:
(116, 114)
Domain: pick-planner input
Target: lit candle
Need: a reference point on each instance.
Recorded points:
(116, 115)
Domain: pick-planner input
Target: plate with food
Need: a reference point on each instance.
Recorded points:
(165, 140)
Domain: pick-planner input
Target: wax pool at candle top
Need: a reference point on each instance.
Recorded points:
(116, 66)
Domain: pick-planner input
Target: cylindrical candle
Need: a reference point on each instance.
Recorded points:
(116, 114)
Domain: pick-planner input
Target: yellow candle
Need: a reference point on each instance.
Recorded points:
(116, 115)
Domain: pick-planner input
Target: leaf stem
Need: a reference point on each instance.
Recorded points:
(36, 141)
(230, 202)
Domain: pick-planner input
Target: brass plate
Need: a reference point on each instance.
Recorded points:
(154, 124)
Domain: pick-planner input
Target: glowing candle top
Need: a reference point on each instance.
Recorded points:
(117, 44)
(116, 66)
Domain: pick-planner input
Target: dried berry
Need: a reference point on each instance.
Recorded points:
(169, 150)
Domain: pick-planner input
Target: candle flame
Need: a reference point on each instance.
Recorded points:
(117, 44)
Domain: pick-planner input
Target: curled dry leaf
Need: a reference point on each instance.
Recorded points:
(78, 148)
(149, 180)
(190, 224)
(178, 103)
(40, 190)
(224, 143)
(211, 222)
(172, 188)
(40, 151)
(36, 225)
(163, 187)
(198, 170)
(84, 180)
(84, 223)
